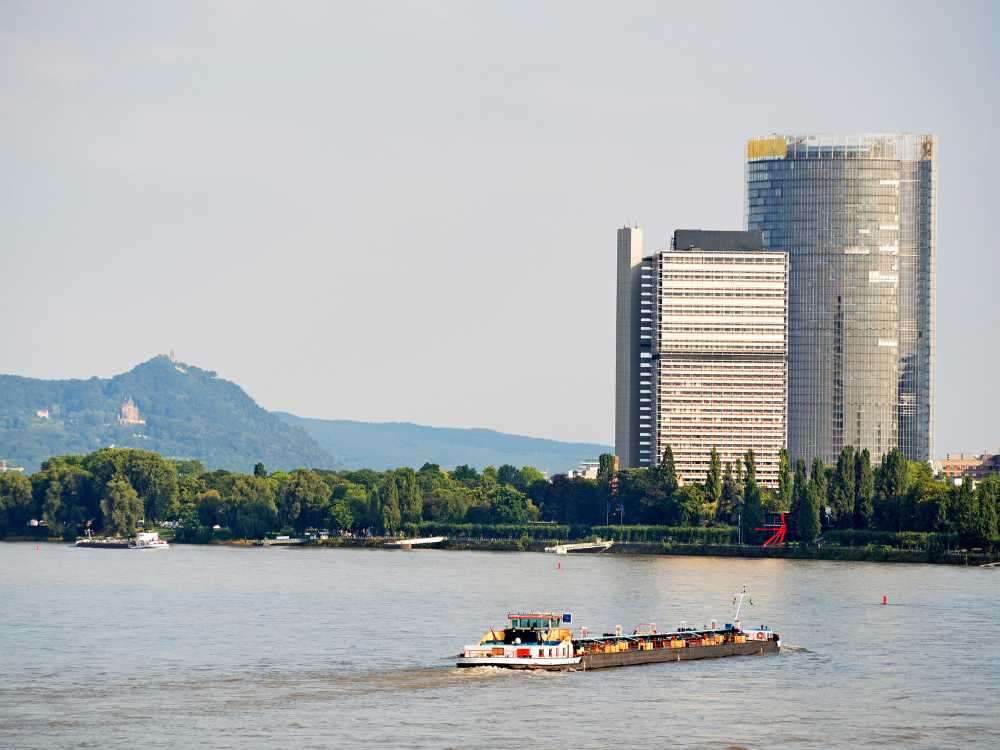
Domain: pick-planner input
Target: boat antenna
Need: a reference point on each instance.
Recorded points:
(738, 601)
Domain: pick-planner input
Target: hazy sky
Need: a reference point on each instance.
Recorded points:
(407, 211)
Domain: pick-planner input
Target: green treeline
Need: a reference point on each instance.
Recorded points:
(112, 490)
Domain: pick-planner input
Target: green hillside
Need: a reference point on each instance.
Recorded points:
(383, 445)
(188, 413)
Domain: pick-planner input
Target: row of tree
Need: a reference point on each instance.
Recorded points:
(113, 490)
(895, 495)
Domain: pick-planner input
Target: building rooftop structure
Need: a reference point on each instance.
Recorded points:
(129, 413)
(956, 466)
(6, 467)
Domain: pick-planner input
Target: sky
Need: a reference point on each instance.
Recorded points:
(406, 211)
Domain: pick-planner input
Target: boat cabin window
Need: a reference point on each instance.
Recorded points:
(534, 623)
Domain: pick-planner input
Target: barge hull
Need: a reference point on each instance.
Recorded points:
(549, 665)
(628, 658)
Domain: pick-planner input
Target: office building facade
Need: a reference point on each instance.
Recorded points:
(710, 328)
(857, 216)
(633, 366)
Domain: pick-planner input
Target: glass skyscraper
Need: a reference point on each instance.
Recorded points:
(857, 217)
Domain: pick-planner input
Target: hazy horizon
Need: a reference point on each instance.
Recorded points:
(406, 212)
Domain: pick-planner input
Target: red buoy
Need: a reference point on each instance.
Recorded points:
(885, 599)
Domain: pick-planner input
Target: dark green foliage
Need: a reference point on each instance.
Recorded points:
(121, 507)
(571, 501)
(605, 467)
(890, 479)
(677, 534)
(667, 472)
(65, 494)
(784, 495)
(466, 475)
(153, 477)
(731, 497)
(304, 500)
(508, 474)
(753, 506)
(209, 508)
(800, 485)
(713, 480)
(252, 511)
(864, 490)
(989, 506)
(509, 506)
(410, 496)
(17, 505)
(842, 497)
(111, 489)
(811, 494)
(685, 506)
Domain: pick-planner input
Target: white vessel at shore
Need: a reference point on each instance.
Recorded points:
(148, 540)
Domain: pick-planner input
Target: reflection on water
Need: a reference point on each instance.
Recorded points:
(246, 647)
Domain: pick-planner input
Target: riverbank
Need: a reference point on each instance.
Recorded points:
(870, 553)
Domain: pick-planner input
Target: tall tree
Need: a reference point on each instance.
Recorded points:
(668, 472)
(809, 509)
(605, 467)
(209, 508)
(121, 507)
(965, 503)
(864, 490)
(730, 496)
(411, 501)
(891, 478)
(252, 510)
(800, 489)
(784, 481)
(507, 474)
(753, 507)
(989, 505)
(466, 475)
(713, 480)
(527, 476)
(52, 508)
(818, 480)
(391, 516)
(508, 506)
(304, 500)
(259, 470)
(17, 505)
(843, 491)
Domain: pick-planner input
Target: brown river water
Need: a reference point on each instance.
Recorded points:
(314, 648)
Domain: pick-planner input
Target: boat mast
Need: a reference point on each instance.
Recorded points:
(739, 605)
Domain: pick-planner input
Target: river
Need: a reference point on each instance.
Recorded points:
(310, 648)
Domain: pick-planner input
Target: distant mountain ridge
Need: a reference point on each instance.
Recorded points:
(385, 445)
(188, 412)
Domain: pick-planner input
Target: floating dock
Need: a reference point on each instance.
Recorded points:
(411, 543)
(580, 547)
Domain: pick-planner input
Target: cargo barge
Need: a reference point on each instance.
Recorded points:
(142, 540)
(542, 640)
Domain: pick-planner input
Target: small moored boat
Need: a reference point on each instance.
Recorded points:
(148, 540)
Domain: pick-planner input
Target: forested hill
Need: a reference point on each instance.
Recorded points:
(384, 445)
(188, 413)
(191, 413)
